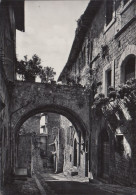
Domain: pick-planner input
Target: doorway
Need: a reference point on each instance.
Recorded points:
(103, 155)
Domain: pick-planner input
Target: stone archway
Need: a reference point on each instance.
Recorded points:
(51, 108)
(29, 99)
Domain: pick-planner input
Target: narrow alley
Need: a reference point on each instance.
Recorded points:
(68, 97)
(60, 184)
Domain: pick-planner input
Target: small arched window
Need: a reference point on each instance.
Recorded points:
(129, 68)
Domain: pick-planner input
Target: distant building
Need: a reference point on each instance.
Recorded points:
(74, 150)
(41, 144)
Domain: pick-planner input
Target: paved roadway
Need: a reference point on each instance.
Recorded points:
(54, 184)
(74, 188)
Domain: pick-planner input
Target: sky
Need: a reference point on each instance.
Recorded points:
(49, 31)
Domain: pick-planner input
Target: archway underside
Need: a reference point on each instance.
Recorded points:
(69, 114)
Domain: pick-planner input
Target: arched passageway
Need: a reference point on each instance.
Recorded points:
(30, 99)
(43, 151)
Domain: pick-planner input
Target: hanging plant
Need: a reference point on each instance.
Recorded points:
(112, 107)
(99, 101)
(127, 92)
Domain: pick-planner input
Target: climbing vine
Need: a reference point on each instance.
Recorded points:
(119, 101)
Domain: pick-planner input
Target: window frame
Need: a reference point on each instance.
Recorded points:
(126, 5)
(108, 26)
(122, 71)
(105, 70)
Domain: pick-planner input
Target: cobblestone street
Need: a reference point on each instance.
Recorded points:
(19, 187)
(59, 184)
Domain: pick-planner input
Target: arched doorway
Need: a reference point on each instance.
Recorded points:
(103, 154)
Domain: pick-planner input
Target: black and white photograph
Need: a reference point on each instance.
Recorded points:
(67, 97)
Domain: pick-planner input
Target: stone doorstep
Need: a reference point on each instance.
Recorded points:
(20, 177)
(21, 172)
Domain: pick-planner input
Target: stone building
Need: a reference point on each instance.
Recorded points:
(11, 18)
(74, 150)
(54, 158)
(40, 144)
(102, 57)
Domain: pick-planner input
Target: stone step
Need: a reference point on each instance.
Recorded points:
(20, 174)
(19, 177)
(20, 171)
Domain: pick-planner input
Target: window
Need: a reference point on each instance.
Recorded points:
(108, 79)
(130, 68)
(109, 11)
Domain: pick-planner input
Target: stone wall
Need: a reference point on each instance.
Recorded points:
(103, 48)
(28, 155)
(7, 76)
(71, 134)
(25, 153)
